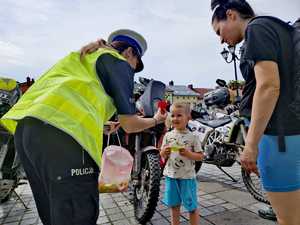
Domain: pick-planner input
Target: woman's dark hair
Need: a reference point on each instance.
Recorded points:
(121, 46)
(220, 8)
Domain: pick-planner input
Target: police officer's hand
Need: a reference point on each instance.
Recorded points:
(92, 47)
(160, 116)
(111, 127)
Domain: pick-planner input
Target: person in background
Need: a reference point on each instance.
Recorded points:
(179, 172)
(58, 126)
(271, 147)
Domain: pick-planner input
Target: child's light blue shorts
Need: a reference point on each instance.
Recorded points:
(279, 171)
(181, 192)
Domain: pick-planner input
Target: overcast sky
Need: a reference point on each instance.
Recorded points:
(181, 43)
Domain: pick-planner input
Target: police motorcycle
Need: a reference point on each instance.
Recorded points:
(145, 176)
(10, 167)
(223, 135)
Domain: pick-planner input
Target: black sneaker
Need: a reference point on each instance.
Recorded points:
(267, 214)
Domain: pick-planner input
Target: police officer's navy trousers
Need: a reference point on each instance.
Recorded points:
(62, 176)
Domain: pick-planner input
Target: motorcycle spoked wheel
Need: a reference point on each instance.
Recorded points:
(252, 181)
(146, 194)
(253, 185)
(198, 165)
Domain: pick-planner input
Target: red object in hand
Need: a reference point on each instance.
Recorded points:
(163, 106)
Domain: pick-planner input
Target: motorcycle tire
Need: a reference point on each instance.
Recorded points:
(255, 189)
(146, 194)
(198, 165)
(252, 181)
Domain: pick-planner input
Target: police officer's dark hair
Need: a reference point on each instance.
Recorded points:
(121, 46)
(220, 8)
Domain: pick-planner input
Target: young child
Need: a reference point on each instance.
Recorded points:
(181, 148)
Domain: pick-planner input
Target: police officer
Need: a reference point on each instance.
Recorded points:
(58, 126)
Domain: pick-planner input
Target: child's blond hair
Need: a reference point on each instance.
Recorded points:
(181, 105)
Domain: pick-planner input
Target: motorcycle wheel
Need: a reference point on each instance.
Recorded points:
(198, 165)
(146, 194)
(253, 185)
(252, 181)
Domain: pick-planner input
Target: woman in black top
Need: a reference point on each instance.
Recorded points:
(274, 132)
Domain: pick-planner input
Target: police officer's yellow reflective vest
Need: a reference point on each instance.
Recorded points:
(70, 97)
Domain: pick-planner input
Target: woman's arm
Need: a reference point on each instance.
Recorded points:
(134, 123)
(264, 101)
(92, 47)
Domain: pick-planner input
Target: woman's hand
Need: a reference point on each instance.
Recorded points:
(92, 47)
(111, 127)
(160, 116)
(249, 157)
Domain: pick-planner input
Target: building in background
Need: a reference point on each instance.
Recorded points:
(25, 85)
(200, 91)
(182, 93)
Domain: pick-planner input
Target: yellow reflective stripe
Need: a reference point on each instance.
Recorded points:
(92, 94)
(72, 110)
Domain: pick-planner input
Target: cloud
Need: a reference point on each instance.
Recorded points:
(10, 54)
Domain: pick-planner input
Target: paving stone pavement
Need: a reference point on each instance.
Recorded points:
(221, 202)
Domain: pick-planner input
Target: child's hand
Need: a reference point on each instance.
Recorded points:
(184, 152)
(197, 156)
(165, 152)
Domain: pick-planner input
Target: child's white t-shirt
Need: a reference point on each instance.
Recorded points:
(179, 166)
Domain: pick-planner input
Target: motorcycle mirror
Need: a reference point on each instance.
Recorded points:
(221, 83)
(144, 81)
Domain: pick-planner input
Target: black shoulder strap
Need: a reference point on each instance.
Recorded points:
(281, 143)
(275, 19)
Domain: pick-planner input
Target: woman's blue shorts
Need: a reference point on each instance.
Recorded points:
(279, 171)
